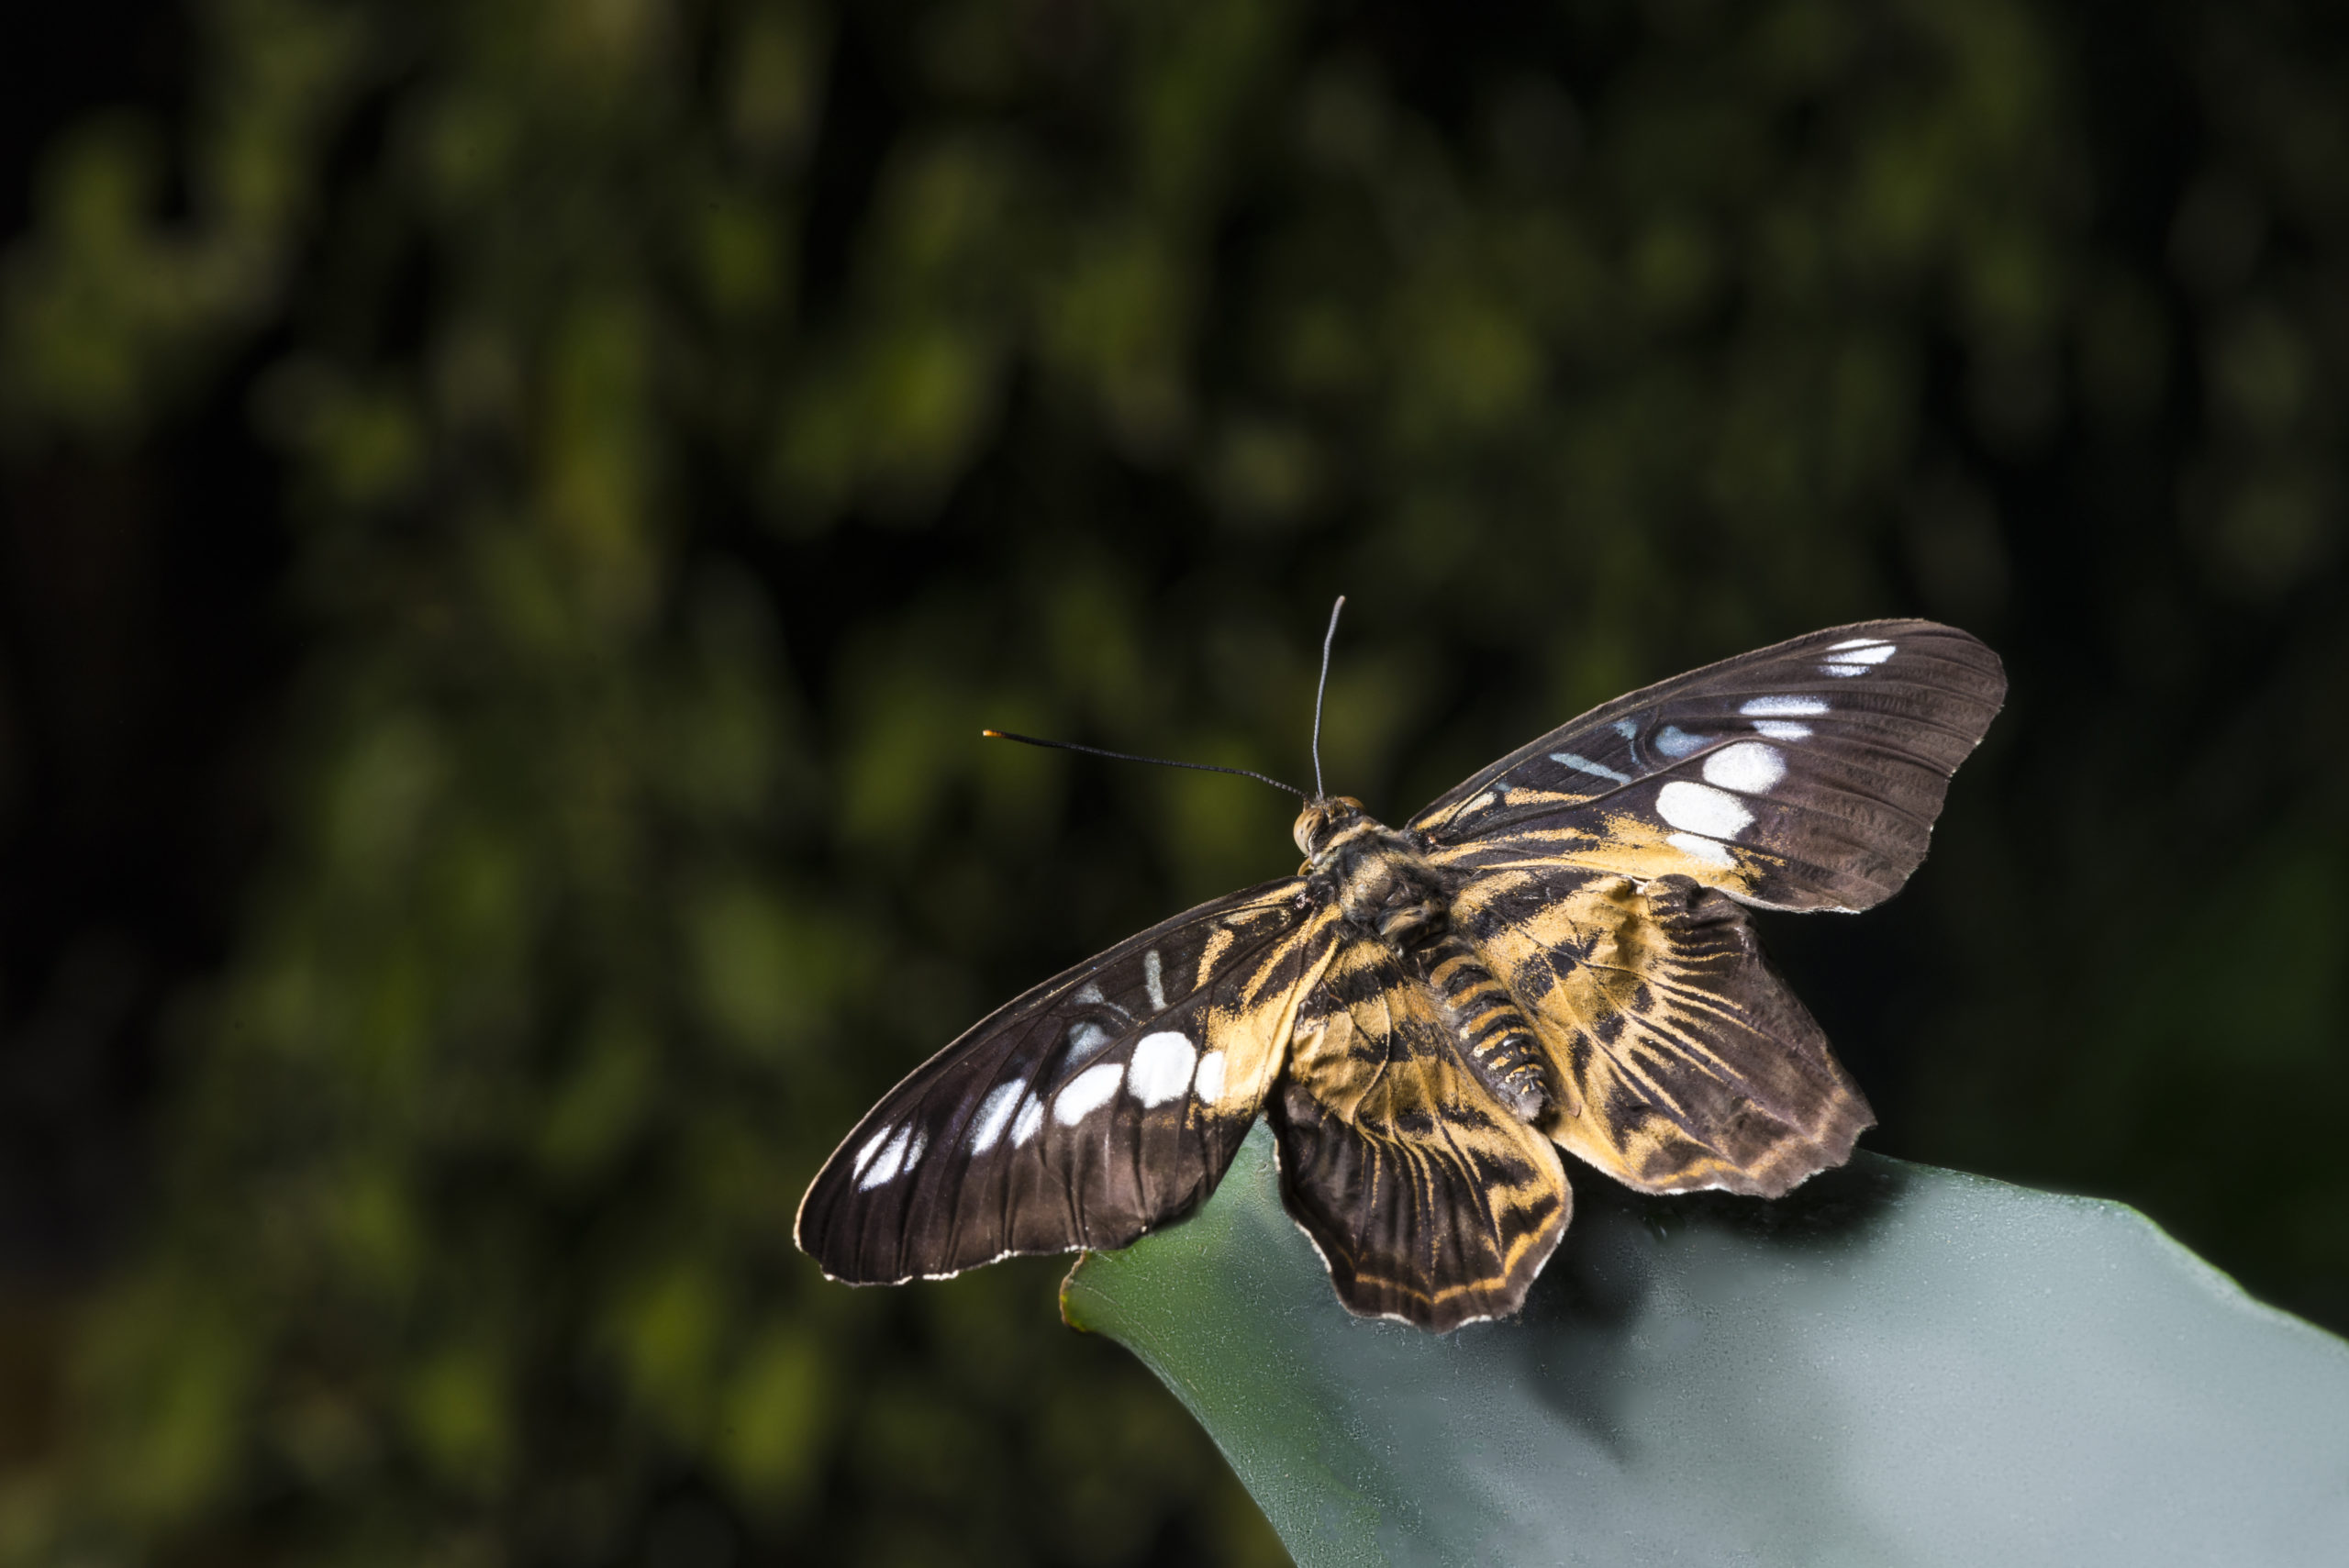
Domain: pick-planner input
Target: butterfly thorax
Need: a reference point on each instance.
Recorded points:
(1384, 883)
(1381, 880)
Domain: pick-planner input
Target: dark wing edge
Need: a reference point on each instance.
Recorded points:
(1097, 1105)
(1427, 1200)
(1806, 775)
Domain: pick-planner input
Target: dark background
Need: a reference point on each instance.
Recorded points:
(515, 513)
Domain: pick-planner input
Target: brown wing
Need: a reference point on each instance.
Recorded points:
(1428, 1200)
(1103, 1104)
(1805, 775)
(1682, 1061)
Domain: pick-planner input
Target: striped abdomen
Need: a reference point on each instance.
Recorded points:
(1493, 1036)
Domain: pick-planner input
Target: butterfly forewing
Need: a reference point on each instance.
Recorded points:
(1801, 776)
(1428, 1199)
(1101, 1104)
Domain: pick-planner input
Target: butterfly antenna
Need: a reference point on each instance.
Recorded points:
(1129, 757)
(1326, 639)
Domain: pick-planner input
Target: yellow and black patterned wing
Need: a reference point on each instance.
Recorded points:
(1428, 1199)
(1099, 1106)
(1677, 1058)
(1805, 775)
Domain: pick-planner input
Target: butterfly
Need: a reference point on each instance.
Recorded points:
(1554, 958)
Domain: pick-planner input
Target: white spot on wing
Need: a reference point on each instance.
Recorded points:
(1153, 979)
(901, 1150)
(1089, 994)
(1700, 808)
(1712, 852)
(1030, 1118)
(1783, 708)
(1857, 657)
(1674, 741)
(994, 1115)
(1208, 1084)
(1782, 730)
(1585, 765)
(1627, 728)
(872, 1146)
(1086, 1040)
(1750, 767)
(1087, 1093)
(1160, 1068)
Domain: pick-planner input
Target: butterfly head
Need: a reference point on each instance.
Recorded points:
(1325, 820)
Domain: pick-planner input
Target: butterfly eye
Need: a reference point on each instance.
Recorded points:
(1322, 821)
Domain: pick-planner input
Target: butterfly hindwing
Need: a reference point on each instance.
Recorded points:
(1805, 775)
(1100, 1104)
(1428, 1199)
(1678, 1059)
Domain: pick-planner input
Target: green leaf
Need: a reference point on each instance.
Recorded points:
(1896, 1364)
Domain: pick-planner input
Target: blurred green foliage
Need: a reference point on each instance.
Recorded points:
(694, 421)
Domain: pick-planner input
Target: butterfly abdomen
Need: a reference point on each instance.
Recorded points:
(1494, 1039)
